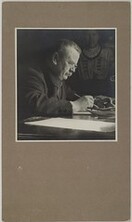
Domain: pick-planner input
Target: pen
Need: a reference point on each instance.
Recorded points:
(77, 95)
(94, 106)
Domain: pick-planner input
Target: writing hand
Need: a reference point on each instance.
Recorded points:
(82, 103)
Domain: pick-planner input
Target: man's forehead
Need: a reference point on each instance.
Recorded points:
(70, 50)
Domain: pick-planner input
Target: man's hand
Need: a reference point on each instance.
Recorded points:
(82, 103)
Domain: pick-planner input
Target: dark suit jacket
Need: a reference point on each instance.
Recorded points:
(39, 94)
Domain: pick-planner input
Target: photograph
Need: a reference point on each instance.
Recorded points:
(66, 84)
(66, 111)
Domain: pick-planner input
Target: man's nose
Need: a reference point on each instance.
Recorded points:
(73, 68)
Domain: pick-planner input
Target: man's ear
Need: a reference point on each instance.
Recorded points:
(55, 58)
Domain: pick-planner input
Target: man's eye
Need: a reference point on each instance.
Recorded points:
(71, 64)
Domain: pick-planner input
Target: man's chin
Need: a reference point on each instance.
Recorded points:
(65, 77)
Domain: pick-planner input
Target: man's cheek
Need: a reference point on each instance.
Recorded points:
(65, 76)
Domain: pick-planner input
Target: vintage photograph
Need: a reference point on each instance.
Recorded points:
(66, 111)
(66, 84)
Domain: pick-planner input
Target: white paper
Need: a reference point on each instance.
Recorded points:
(78, 124)
(82, 113)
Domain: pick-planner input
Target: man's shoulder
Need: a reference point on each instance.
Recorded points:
(30, 74)
(34, 71)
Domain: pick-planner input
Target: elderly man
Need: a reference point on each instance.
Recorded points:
(43, 92)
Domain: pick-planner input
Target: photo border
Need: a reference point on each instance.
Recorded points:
(116, 90)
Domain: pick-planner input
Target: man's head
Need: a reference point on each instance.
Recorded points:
(65, 58)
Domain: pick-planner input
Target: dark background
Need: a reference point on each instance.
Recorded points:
(33, 44)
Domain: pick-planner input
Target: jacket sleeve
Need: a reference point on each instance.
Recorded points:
(37, 100)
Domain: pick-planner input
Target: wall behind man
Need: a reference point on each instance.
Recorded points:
(33, 43)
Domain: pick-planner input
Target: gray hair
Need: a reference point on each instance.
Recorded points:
(63, 43)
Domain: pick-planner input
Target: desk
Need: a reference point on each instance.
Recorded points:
(30, 132)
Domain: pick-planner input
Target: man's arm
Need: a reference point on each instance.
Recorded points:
(37, 100)
(33, 99)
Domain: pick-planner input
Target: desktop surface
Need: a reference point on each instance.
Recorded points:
(37, 132)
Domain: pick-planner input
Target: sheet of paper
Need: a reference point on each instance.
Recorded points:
(78, 124)
(82, 113)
